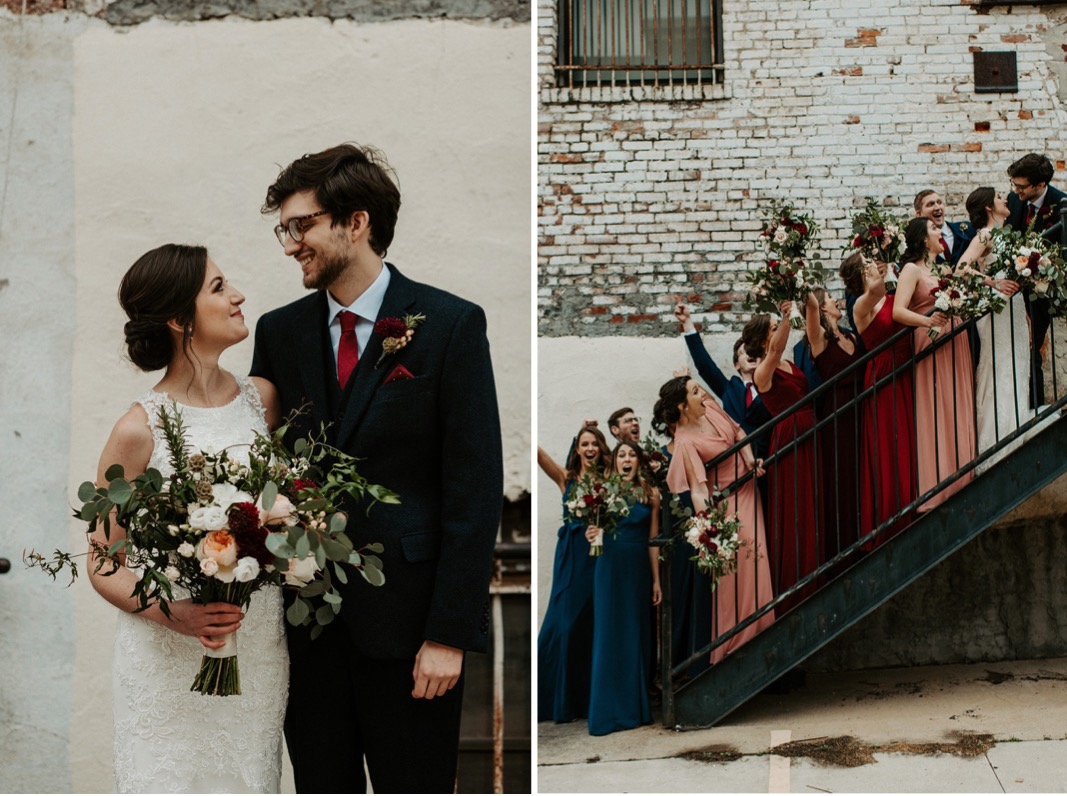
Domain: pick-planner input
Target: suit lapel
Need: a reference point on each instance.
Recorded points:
(310, 330)
(366, 379)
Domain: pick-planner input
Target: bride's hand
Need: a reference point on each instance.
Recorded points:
(1007, 287)
(208, 623)
(590, 533)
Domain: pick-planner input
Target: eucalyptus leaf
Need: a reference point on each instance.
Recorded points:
(332, 597)
(87, 491)
(298, 612)
(316, 632)
(324, 615)
(335, 551)
(303, 547)
(376, 547)
(87, 512)
(372, 561)
(373, 575)
(338, 521)
(268, 496)
(119, 491)
(113, 472)
(320, 557)
(278, 543)
(313, 589)
(300, 446)
(340, 571)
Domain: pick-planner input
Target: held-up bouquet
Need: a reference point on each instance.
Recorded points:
(788, 274)
(879, 235)
(601, 500)
(715, 535)
(222, 529)
(963, 295)
(654, 455)
(1032, 261)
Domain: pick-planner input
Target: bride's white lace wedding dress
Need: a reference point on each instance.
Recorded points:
(169, 739)
(1002, 379)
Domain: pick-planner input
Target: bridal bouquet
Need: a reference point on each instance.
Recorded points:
(878, 235)
(1034, 262)
(964, 295)
(788, 274)
(222, 529)
(601, 500)
(654, 455)
(715, 535)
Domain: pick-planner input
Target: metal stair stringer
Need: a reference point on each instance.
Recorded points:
(889, 568)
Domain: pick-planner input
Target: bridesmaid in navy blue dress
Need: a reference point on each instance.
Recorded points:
(565, 643)
(627, 578)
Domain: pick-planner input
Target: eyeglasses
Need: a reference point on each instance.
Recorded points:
(1017, 187)
(295, 228)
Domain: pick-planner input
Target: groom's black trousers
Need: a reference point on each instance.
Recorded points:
(344, 706)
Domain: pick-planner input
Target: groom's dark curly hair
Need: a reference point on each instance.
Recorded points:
(346, 179)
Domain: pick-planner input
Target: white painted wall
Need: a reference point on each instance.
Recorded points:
(123, 139)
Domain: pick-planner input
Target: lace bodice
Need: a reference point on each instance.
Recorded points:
(167, 738)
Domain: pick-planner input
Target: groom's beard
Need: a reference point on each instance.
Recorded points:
(329, 270)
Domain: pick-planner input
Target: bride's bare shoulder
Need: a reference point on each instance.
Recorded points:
(130, 443)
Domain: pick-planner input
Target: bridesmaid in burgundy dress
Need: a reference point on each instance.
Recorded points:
(944, 381)
(793, 522)
(887, 447)
(833, 350)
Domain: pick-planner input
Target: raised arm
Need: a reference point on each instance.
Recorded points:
(865, 308)
(816, 336)
(551, 468)
(909, 280)
(772, 357)
(705, 365)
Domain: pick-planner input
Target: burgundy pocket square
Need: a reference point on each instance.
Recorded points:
(399, 373)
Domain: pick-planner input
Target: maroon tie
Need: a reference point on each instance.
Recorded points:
(348, 349)
(1031, 211)
(748, 394)
(944, 247)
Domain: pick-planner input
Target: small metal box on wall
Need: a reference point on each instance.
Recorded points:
(995, 71)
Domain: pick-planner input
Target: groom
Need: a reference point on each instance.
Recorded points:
(384, 682)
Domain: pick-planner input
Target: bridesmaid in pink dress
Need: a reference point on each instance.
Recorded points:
(944, 381)
(887, 447)
(704, 431)
(794, 529)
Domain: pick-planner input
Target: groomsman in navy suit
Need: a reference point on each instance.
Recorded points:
(737, 393)
(954, 235)
(1034, 201)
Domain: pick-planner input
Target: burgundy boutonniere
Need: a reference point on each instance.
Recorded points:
(395, 333)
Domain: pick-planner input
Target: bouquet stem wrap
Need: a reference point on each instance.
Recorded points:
(219, 674)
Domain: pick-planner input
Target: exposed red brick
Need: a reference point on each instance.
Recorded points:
(615, 319)
(974, 49)
(1061, 165)
(849, 71)
(745, 192)
(852, 120)
(628, 127)
(969, 147)
(601, 310)
(934, 148)
(560, 158)
(630, 279)
(694, 298)
(1014, 38)
(724, 306)
(1026, 114)
(35, 6)
(865, 37)
(981, 127)
(640, 318)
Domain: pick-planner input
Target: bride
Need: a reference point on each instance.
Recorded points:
(1002, 379)
(182, 315)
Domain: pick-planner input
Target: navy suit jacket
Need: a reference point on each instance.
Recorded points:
(434, 439)
(962, 233)
(1046, 217)
(731, 391)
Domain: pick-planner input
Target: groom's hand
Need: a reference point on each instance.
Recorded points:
(437, 669)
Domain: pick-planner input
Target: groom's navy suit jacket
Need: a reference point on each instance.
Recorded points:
(1046, 217)
(434, 439)
(732, 394)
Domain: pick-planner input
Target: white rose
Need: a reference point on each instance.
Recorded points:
(301, 571)
(780, 236)
(942, 303)
(227, 494)
(186, 550)
(247, 569)
(208, 518)
(209, 566)
(1026, 272)
(282, 511)
(172, 573)
(1041, 286)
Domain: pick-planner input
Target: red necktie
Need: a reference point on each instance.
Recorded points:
(944, 247)
(1031, 211)
(348, 349)
(748, 394)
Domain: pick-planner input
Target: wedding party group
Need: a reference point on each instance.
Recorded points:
(922, 375)
(359, 461)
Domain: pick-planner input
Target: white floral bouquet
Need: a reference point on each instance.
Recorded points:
(789, 275)
(222, 529)
(1034, 262)
(715, 535)
(964, 295)
(879, 235)
(601, 500)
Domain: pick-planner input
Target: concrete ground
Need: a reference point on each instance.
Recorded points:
(981, 728)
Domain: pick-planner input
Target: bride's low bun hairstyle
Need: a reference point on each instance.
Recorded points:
(977, 203)
(161, 286)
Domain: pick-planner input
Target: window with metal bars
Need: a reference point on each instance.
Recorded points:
(639, 42)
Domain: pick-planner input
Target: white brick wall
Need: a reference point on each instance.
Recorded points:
(823, 104)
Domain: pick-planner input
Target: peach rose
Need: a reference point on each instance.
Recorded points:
(282, 512)
(218, 546)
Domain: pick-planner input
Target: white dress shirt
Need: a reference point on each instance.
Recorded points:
(366, 307)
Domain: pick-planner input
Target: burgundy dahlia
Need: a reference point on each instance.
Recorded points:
(390, 327)
(251, 537)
